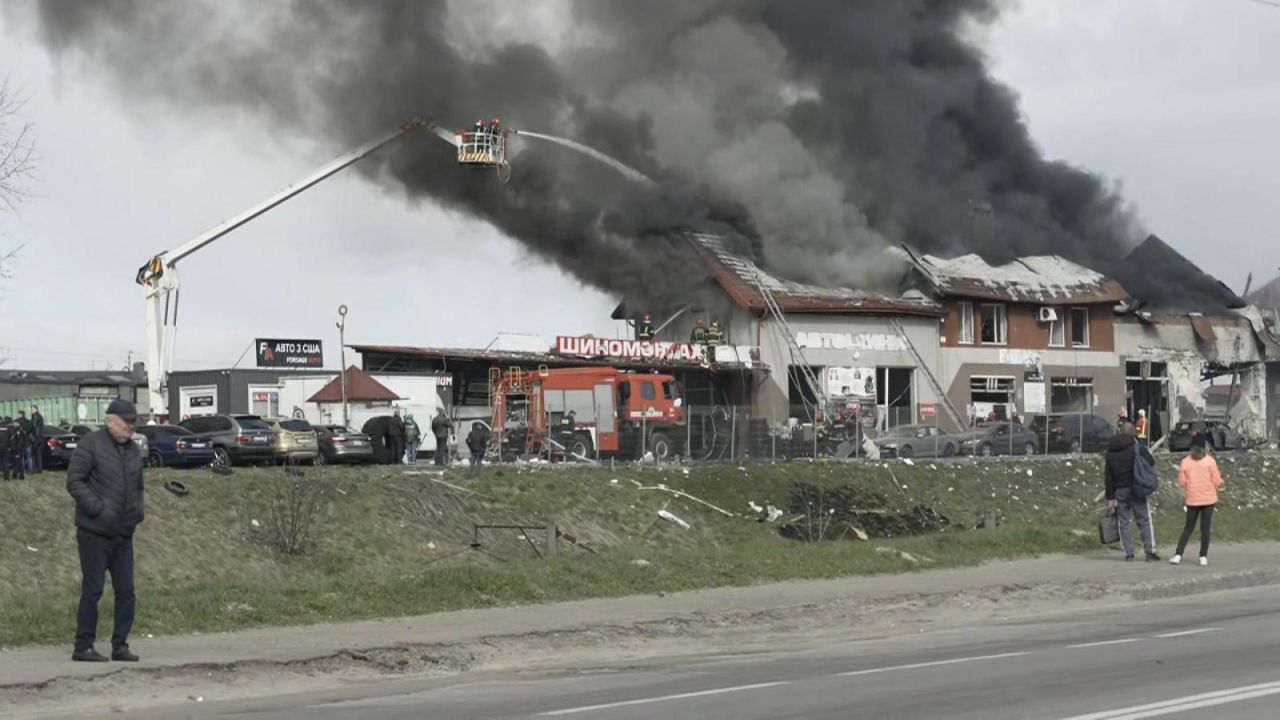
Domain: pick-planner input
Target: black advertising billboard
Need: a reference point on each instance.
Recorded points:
(276, 353)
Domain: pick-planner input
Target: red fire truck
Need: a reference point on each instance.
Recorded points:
(577, 412)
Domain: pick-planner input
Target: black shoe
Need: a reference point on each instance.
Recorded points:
(1127, 558)
(122, 654)
(88, 655)
(1152, 557)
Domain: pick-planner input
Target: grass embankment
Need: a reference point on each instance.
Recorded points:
(386, 543)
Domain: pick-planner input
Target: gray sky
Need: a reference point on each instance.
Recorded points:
(1176, 100)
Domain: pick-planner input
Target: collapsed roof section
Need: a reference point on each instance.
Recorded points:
(1040, 280)
(1160, 278)
(737, 276)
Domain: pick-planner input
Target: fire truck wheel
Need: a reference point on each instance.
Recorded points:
(580, 445)
(661, 447)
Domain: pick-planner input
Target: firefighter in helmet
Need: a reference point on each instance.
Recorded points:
(1143, 428)
(715, 334)
(495, 126)
(645, 332)
(479, 128)
(699, 334)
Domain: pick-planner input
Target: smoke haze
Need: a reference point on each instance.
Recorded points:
(820, 131)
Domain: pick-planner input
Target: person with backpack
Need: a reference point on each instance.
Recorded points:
(1201, 480)
(1130, 480)
(412, 439)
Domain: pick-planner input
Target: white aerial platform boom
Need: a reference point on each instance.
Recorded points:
(159, 277)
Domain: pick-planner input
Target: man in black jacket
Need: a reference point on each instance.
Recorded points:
(105, 478)
(6, 446)
(395, 438)
(440, 428)
(37, 440)
(1119, 475)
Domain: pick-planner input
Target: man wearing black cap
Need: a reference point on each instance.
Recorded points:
(105, 478)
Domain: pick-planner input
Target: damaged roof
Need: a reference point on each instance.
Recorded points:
(1266, 297)
(735, 274)
(1158, 276)
(1038, 279)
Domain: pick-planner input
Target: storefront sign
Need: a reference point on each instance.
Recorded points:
(850, 341)
(289, 353)
(627, 349)
(928, 411)
(200, 401)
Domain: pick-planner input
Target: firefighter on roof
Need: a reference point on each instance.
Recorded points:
(699, 334)
(715, 334)
(645, 331)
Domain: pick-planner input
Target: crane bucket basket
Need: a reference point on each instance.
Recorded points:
(482, 148)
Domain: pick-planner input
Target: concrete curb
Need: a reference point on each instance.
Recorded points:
(462, 653)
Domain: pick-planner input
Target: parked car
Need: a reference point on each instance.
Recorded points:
(236, 439)
(295, 440)
(339, 444)
(176, 446)
(1072, 433)
(57, 445)
(1218, 435)
(906, 441)
(999, 439)
(82, 429)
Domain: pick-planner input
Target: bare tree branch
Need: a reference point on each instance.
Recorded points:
(17, 160)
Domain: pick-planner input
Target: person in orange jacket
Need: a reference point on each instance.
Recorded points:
(1144, 432)
(1200, 479)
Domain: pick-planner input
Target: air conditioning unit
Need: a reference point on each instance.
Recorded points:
(1048, 315)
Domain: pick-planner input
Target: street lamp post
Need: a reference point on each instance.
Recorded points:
(342, 354)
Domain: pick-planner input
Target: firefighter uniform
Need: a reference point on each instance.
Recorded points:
(715, 335)
(645, 331)
(699, 334)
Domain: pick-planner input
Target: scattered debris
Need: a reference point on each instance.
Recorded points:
(34, 550)
(640, 562)
(680, 493)
(431, 546)
(908, 461)
(1080, 533)
(882, 550)
(847, 511)
(671, 517)
(861, 534)
(1029, 473)
(255, 523)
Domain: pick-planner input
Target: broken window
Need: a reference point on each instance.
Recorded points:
(966, 323)
(1080, 327)
(994, 325)
(1058, 333)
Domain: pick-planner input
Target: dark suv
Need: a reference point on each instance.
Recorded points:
(236, 439)
(1072, 433)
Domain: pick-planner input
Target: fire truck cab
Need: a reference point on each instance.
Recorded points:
(579, 412)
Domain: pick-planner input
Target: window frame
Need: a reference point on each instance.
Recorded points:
(966, 335)
(1002, 324)
(1088, 339)
(1061, 325)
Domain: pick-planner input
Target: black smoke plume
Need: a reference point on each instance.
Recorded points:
(821, 130)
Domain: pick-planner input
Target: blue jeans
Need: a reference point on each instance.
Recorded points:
(412, 452)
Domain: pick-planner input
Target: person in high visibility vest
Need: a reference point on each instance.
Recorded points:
(1141, 426)
(645, 331)
(715, 335)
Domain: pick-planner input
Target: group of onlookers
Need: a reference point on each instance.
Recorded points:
(20, 451)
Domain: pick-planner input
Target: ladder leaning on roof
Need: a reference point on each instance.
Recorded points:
(896, 324)
(798, 359)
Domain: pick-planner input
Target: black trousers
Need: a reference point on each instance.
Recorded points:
(1205, 515)
(396, 446)
(37, 458)
(15, 464)
(98, 556)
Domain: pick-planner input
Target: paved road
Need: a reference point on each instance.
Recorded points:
(1212, 655)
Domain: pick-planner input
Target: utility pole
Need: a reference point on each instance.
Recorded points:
(342, 355)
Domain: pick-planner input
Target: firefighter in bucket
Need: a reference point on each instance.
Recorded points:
(485, 146)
